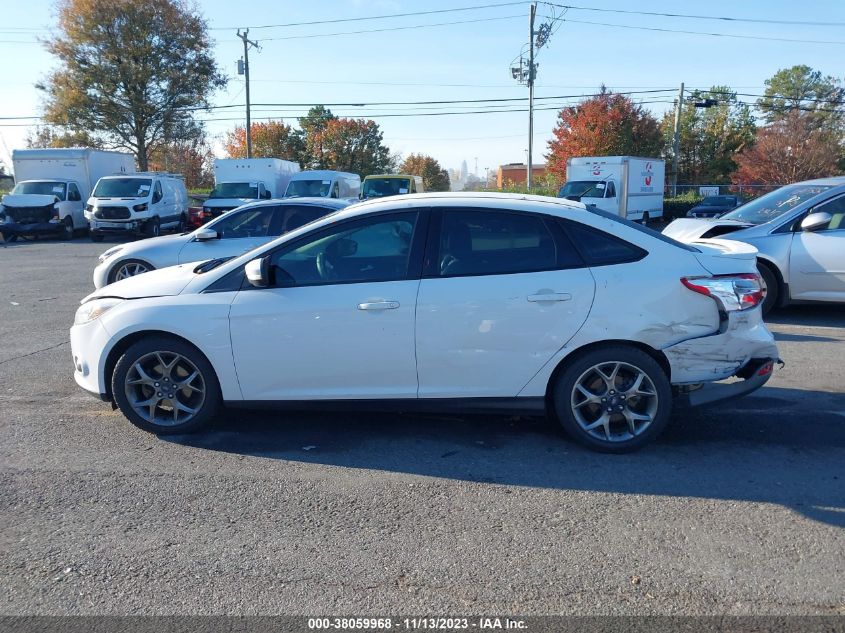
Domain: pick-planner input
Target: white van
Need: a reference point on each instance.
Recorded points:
(324, 183)
(144, 202)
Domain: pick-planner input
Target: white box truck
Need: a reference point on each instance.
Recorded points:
(241, 180)
(628, 186)
(52, 186)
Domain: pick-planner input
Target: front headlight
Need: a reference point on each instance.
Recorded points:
(94, 309)
(110, 253)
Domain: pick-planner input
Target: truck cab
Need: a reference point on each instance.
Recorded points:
(238, 181)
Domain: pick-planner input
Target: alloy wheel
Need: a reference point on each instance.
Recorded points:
(165, 388)
(614, 401)
(130, 269)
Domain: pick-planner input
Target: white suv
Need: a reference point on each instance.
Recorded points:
(438, 301)
(143, 202)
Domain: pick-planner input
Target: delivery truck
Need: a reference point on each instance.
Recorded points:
(628, 186)
(241, 180)
(52, 186)
(324, 183)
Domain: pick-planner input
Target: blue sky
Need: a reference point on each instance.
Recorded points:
(469, 60)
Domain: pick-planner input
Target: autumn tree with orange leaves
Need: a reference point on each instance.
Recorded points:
(270, 139)
(790, 149)
(607, 124)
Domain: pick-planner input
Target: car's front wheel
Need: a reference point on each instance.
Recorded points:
(165, 386)
(770, 286)
(613, 399)
(129, 268)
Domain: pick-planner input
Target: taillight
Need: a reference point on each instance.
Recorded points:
(741, 291)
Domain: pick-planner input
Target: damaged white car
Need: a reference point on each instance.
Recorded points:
(460, 302)
(799, 232)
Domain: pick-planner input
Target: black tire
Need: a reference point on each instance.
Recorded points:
(96, 237)
(167, 347)
(657, 405)
(646, 218)
(153, 227)
(67, 229)
(128, 262)
(183, 224)
(772, 287)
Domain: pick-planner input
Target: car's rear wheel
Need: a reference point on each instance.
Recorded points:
(613, 399)
(129, 268)
(770, 285)
(165, 386)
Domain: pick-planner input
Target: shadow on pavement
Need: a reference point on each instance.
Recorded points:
(780, 446)
(818, 315)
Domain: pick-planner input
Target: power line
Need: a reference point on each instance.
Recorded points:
(697, 17)
(734, 36)
(376, 17)
(388, 28)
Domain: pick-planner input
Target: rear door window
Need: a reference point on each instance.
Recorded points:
(599, 248)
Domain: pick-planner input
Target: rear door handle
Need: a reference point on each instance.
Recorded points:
(550, 296)
(379, 305)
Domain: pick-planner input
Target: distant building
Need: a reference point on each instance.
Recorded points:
(517, 173)
(464, 171)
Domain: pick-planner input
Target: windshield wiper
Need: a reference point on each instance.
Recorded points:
(211, 265)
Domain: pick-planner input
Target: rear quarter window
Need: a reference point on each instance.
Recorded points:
(598, 248)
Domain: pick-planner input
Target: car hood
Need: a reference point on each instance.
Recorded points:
(690, 229)
(142, 248)
(725, 257)
(163, 282)
(28, 199)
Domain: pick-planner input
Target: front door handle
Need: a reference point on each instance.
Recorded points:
(550, 296)
(379, 305)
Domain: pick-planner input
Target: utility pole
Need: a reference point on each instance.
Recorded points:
(676, 140)
(531, 73)
(247, 43)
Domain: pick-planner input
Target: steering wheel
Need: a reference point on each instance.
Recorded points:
(325, 268)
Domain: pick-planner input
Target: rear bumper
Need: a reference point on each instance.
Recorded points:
(754, 374)
(38, 228)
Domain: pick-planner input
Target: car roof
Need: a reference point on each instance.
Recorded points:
(334, 203)
(468, 198)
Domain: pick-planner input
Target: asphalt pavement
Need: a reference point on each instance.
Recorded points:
(737, 509)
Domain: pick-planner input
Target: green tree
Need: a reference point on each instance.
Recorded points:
(271, 139)
(605, 125)
(313, 126)
(435, 178)
(46, 136)
(131, 73)
(710, 137)
(806, 90)
(354, 145)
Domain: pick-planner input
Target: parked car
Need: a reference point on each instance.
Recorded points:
(230, 234)
(469, 302)
(799, 231)
(140, 203)
(714, 206)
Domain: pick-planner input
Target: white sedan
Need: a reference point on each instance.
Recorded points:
(477, 302)
(231, 234)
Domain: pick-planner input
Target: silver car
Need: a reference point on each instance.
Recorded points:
(799, 231)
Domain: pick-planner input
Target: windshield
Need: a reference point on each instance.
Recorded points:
(42, 188)
(380, 187)
(234, 190)
(122, 188)
(774, 204)
(582, 189)
(717, 201)
(308, 188)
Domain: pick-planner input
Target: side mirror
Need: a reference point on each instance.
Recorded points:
(204, 235)
(257, 273)
(815, 221)
(265, 195)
